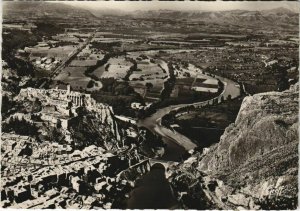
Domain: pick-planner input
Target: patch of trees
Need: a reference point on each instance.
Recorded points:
(61, 43)
(11, 43)
(118, 94)
(6, 105)
(55, 135)
(111, 85)
(23, 68)
(109, 47)
(11, 85)
(99, 63)
(169, 84)
(149, 142)
(106, 67)
(47, 29)
(132, 68)
(194, 97)
(90, 84)
(281, 76)
(220, 86)
(17, 39)
(149, 86)
(20, 126)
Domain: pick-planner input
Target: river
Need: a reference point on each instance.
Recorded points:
(178, 144)
(152, 191)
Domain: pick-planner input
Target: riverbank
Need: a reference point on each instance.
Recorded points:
(205, 126)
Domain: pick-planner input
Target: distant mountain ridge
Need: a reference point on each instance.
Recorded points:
(24, 10)
(273, 16)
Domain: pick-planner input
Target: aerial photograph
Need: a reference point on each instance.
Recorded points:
(150, 105)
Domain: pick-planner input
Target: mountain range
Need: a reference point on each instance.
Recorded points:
(23, 10)
(274, 16)
(35, 10)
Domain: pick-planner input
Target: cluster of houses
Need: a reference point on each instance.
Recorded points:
(28, 188)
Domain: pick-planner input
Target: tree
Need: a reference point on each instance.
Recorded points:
(22, 127)
(6, 104)
(149, 85)
(90, 84)
(220, 85)
(222, 98)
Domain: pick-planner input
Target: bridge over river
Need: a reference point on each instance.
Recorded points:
(153, 189)
(165, 163)
(143, 167)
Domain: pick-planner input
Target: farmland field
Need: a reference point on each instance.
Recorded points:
(182, 71)
(99, 71)
(147, 71)
(71, 72)
(74, 76)
(115, 68)
(182, 87)
(205, 83)
(60, 52)
(181, 91)
(83, 63)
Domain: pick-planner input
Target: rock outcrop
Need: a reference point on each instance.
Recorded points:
(255, 164)
(265, 122)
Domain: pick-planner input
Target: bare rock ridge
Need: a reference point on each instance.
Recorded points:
(255, 164)
(265, 121)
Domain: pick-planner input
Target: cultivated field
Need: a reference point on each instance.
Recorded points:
(83, 63)
(148, 71)
(115, 68)
(74, 76)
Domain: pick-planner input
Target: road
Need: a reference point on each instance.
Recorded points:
(178, 144)
(64, 63)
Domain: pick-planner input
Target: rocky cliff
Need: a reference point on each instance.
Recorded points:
(255, 164)
(265, 122)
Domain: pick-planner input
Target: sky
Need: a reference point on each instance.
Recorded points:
(129, 6)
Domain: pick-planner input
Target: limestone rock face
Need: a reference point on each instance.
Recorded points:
(266, 122)
(258, 154)
(255, 163)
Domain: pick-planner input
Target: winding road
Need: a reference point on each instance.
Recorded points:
(178, 144)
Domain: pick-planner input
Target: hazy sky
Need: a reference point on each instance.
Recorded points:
(185, 5)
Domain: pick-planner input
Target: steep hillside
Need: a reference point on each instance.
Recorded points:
(266, 121)
(255, 164)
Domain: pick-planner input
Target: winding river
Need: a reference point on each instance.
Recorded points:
(178, 144)
(153, 191)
